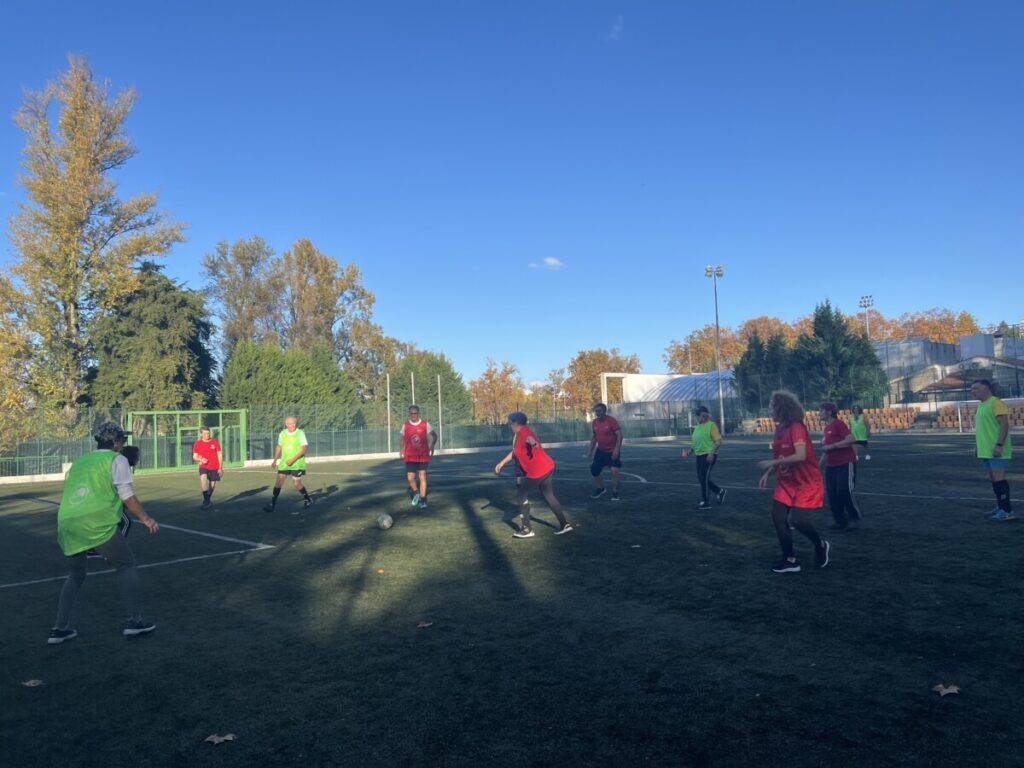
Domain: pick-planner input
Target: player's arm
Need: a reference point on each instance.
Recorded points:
(1004, 430)
(501, 464)
(433, 441)
(297, 456)
(716, 436)
(799, 454)
(277, 455)
(121, 474)
(220, 461)
(198, 457)
(618, 444)
(844, 443)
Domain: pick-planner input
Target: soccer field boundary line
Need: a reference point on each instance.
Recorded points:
(158, 564)
(252, 546)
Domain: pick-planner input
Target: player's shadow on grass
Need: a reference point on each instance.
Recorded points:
(246, 494)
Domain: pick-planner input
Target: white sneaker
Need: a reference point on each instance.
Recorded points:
(564, 529)
(867, 457)
(524, 534)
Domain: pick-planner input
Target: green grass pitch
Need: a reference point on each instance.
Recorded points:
(654, 635)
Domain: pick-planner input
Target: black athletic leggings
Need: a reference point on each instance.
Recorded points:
(547, 489)
(705, 463)
(782, 516)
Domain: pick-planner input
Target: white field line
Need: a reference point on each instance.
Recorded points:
(673, 484)
(253, 546)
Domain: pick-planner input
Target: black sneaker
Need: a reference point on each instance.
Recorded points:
(703, 505)
(58, 636)
(133, 628)
(92, 554)
(615, 496)
(524, 533)
(721, 495)
(597, 494)
(786, 566)
(268, 508)
(821, 554)
(206, 504)
(307, 502)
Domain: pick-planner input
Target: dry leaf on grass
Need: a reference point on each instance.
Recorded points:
(425, 624)
(32, 683)
(213, 738)
(944, 690)
(380, 570)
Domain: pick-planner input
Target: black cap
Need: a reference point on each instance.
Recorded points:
(701, 409)
(108, 432)
(517, 417)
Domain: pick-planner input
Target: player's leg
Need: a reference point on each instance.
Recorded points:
(204, 486)
(801, 519)
(116, 551)
(596, 470)
(547, 488)
(711, 487)
(276, 492)
(1001, 488)
(523, 507)
(423, 486)
(780, 517)
(702, 478)
(836, 501)
(62, 629)
(848, 486)
(307, 500)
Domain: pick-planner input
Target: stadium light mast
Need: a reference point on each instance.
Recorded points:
(715, 273)
(866, 303)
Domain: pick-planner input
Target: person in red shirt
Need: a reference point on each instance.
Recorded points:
(538, 468)
(607, 440)
(208, 453)
(417, 448)
(840, 458)
(798, 489)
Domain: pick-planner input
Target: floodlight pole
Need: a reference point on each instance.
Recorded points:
(714, 273)
(866, 303)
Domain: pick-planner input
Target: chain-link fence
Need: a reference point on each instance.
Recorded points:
(165, 440)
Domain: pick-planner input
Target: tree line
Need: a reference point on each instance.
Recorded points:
(87, 317)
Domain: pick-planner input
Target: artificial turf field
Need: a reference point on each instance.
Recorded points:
(654, 635)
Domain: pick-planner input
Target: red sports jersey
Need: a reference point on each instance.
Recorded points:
(834, 433)
(797, 485)
(209, 451)
(532, 458)
(604, 431)
(415, 442)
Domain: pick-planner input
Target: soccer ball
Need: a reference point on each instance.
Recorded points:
(384, 521)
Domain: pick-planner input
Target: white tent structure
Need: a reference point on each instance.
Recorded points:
(670, 387)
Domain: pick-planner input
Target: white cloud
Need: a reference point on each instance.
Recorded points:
(617, 28)
(550, 263)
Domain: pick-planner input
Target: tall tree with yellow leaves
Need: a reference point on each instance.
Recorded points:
(77, 243)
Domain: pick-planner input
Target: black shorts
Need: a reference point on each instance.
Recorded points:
(293, 472)
(604, 459)
(213, 474)
(861, 442)
(416, 466)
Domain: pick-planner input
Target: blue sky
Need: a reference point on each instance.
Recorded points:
(524, 180)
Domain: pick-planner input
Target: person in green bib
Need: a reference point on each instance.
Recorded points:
(291, 449)
(97, 487)
(993, 445)
(861, 430)
(706, 441)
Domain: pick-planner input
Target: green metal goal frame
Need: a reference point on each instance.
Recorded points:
(214, 419)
